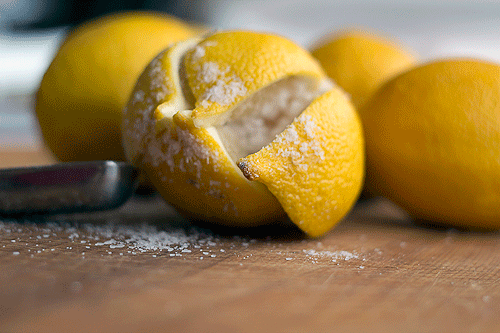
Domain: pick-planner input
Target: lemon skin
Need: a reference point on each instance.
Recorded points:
(432, 138)
(360, 61)
(82, 94)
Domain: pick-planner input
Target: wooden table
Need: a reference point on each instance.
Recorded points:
(142, 268)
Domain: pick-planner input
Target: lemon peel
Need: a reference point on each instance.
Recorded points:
(225, 97)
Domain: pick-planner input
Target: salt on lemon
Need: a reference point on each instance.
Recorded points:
(241, 127)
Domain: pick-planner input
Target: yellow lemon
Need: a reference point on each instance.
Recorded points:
(360, 62)
(82, 94)
(432, 138)
(240, 128)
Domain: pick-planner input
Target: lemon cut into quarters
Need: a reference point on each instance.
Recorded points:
(204, 107)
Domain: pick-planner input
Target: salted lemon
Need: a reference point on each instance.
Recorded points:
(360, 61)
(82, 94)
(432, 138)
(240, 128)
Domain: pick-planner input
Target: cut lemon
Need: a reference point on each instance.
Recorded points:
(360, 62)
(432, 137)
(85, 88)
(206, 106)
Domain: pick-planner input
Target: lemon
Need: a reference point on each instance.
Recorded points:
(241, 128)
(83, 92)
(432, 138)
(360, 61)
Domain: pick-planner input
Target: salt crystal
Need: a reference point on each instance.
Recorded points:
(15, 253)
(223, 89)
(309, 125)
(291, 134)
(198, 53)
(210, 72)
(72, 236)
(345, 255)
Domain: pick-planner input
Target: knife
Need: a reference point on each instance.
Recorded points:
(66, 187)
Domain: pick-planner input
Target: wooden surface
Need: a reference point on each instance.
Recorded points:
(377, 271)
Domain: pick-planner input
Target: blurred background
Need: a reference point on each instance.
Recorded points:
(32, 30)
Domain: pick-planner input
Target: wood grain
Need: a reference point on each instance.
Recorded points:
(57, 277)
(403, 278)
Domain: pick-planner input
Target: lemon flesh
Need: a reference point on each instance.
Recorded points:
(83, 92)
(203, 104)
(256, 121)
(432, 137)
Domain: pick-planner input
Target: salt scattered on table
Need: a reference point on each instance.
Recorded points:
(334, 255)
